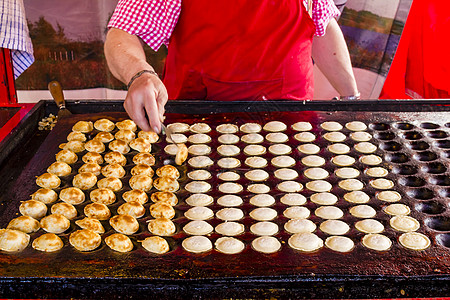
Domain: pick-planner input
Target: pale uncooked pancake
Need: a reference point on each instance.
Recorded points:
(347, 172)
(397, 209)
(305, 242)
(172, 149)
(296, 212)
(84, 181)
(229, 176)
(144, 158)
(283, 161)
(230, 228)
(371, 160)
(48, 242)
(356, 126)
(97, 211)
(264, 228)
(199, 175)
(178, 127)
(316, 173)
(199, 138)
(198, 227)
(76, 136)
(280, 149)
(199, 213)
(228, 162)
(200, 128)
(113, 170)
(324, 198)
(91, 167)
(351, 184)
(357, 197)
(44, 195)
(55, 223)
(13, 240)
(313, 161)
(85, 240)
(125, 224)
(126, 124)
(230, 214)
(104, 137)
(94, 146)
(229, 245)
(199, 200)
(377, 172)
(251, 150)
(119, 146)
(275, 126)
(299, 225)
(200, 161)
(91, 224)
(334, 227)
(25, 224)
(369, 226)
(262, 200)
(319, 186)
(177, 138)
(162, 209)
(197, 244)
(331, 126)
(125, 135)
(263, 214)
(140, 145)
(68, 156)
(198, 187)
(277, 137)
(251, 128)
(305, 137)
(289, 186)
(155, 244)
(335, 136)
(389, 196)
(302, 126)
(116, 158)
(50, 181)
(135, 195)
(361, 136)
(228, 150)
(285, 174)
(258, 188)
(266, 244)
(252, 138)
(256, 175)
(329, 212)
(228, 138)
(365, 147)
(142, 169)
(67, 210)
(414, 241)
(376, 242)
(227, 128)
(132, 208)
(161, 227)
(119, 242)
(293, 199)
(33, 208)
(59, 168)
(404, 223)
(83, 126)
(230, 200)
(382, 183)
(339, 243)
(338, 148)
(343, 160)
(230, 188)
(256, 162)
(141, 182)
(72, 195)
(150, 136)
(308, 149)
(363, 211)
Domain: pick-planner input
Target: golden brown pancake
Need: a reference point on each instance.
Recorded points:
(97, 211)
(91, 167)
(119, 242)
(48, 180)
(103, 195)
(66, 156)
(72, 195)
(161, 226)
(104, 125)
(83, 126)
(67, 210)
(135, 195)
(84, 181)
(167, 197)
(126, 124)
(33, 208)
(125, 224)
(48, 242)
(85, 240)
(13, 240)
(144, 158)
(55, 223)
(112, 183)
(94, 146)
(113, 170)
(25, 224)
(59, 168)
(44, 195)
(92, 157)
(91, 224)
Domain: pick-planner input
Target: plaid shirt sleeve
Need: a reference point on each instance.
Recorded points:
(322, 12)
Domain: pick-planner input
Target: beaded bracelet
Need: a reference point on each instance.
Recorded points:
(138, 74)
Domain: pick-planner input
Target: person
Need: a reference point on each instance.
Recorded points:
(225, 50)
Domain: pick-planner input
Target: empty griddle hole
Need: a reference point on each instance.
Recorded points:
(411, 135)
(425, 156)
(434, 168)
(379, 126)
(437, 134)
(438, 223)
(447, 125)
(385, 135)
(446, 154)
(445, 193)
(441, 180)
(412, 181)
(420, 193)
(445, 144)
(404, 126)
(428, 125)
(419, 145)
(443, 239)
(398, 158)
(391, 146)
(405, 170)
(430, 207)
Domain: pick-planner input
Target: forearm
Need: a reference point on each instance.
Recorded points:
(330, 53)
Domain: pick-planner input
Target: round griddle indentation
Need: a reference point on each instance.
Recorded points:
(430, 207)
(441, 180)
(434, 168)
(429, 125)
(444, 144)
(384, 135)
(379, 126)
(438, 223)
(404, 126)
(396, 157)
(443, 239)
(418, 145)
(404, 169)
(425, 156)
(391, 146)
(437, 134)
(412, 181)
(420, 193)
(411, 135)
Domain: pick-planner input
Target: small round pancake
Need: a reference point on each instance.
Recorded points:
(200, 128)
(324, 198)
(363, 211)
(404, 223)
(178, 127)
(119, 242)
(262, 200)
(230, 214)
(250, 128)
(144, 158)
(389, 196)
(356, 126)
(182, 154)
(331, 126)
(199, 213)
(55, 223)
(66, 156)
(228, 138)
(141, 182)
(166, 184)
(329, 212)
(230, 201)
(59, 168)
(376, 242)
(200, 161)
(72, 195)
(48, 180)
(230, 228)
(48, 242)
(67, 210)
(313, 161)
(277, 137)
(90, 167)
(274, 126)
(285, 174)
(252, 150)
(132, 208)
(289, 186)
(302, 126)
(91, 224)
(256, 175)
(76, 136)
(319, 186)
(44, 195)
(305, 242)
(142, 169)
(199, 138)
(162, 209)
(227, 128)
(125, 224)
(113, 170)
(168, 171)
(280, 149)
(104, 125)
(334, 227)
(161, 226)
(126, 124)
(339, 243)
(382, 183)
(155, 244)
(229, 245)
(369, 226)
(347, 172)
(104, 137)
(92, 158)
(361, 136)
(140, 145)
(266, 244)
(263, 214)
(308, 149)
(351, 184)
(258, 188)
(377, 172)
(296, 212)
(305, 137)
(33, 208)
(283, 161)
(97, 211)
(119, 146)
(371, 160)
(171, 149)
(365, 147)
(316, 173)
(167, 197)
(338, 148)
(293, 199)
(264, 228)
(199, 200)
(228, 162)
(13, 240)
(112, 183)
(199, 149)
(229, 176)
(256, 162)
(198, 187)
(83, 126)
(414, 240)
(397, 209)
(335, 137)
(199, 175)
(252, 138)
(343, 160)
(357, 197)
(228, 150)
(84, 180)
(25, 224)
(198, 227)
(197, 244)
(94, 146)
(135, 195)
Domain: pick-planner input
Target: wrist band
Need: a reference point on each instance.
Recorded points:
(138, 74)
(356, 96)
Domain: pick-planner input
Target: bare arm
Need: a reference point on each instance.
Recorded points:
(330, 53)
(147, 95)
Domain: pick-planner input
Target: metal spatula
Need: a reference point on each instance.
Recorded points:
(56, 90)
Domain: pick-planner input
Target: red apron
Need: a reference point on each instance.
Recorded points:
(240, 50)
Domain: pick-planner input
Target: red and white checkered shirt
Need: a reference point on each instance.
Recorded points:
(154, 20)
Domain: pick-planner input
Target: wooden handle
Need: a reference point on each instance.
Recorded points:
(56, 90)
